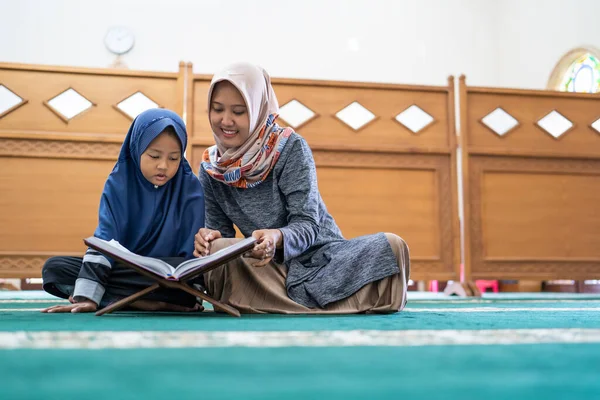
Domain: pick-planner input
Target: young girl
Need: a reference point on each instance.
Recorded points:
(262, 178)
(153, 205)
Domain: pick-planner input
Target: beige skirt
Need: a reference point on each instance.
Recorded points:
(262, 289)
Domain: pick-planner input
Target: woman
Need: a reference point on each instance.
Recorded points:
(262, 179)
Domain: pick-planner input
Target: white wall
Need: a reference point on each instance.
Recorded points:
(511, 43)
(535, 34)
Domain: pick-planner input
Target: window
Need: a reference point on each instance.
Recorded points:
(583, 75)
(577, 71)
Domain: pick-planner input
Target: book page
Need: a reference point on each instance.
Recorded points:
(152, 264)
(197, 263)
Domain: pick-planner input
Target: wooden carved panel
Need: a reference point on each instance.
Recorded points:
(528, 107)
(21, 266)
(534, 217)
(49, 204)
(103, 88)
(55, 164)
(58, 149)
(410, 195)
(326, 131)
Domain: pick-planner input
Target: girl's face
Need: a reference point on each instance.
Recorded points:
(160, 161)
(228, 116)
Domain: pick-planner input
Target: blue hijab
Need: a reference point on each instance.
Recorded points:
(151, 221)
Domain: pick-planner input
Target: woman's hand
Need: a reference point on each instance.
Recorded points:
(202, 241)
(75, 307)
(268, 240)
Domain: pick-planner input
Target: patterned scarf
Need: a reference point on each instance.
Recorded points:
(250, 168)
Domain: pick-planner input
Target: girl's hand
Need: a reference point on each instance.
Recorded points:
(268, 240)
(79, 307)
(202, 241)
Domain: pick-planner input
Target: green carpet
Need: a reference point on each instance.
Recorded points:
(502, 347)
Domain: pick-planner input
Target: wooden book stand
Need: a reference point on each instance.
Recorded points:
(227, 254)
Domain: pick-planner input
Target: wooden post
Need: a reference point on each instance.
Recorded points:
(464, 287)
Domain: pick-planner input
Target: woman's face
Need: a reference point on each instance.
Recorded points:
(228, 116)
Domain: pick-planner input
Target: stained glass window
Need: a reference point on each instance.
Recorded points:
(583, 75)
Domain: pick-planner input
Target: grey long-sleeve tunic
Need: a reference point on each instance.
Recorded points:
(323, 267)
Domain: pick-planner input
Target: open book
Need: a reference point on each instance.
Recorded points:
(186, 269)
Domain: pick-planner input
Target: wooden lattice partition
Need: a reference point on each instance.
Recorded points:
(531, 167)
(381, 176)
(56, 153)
